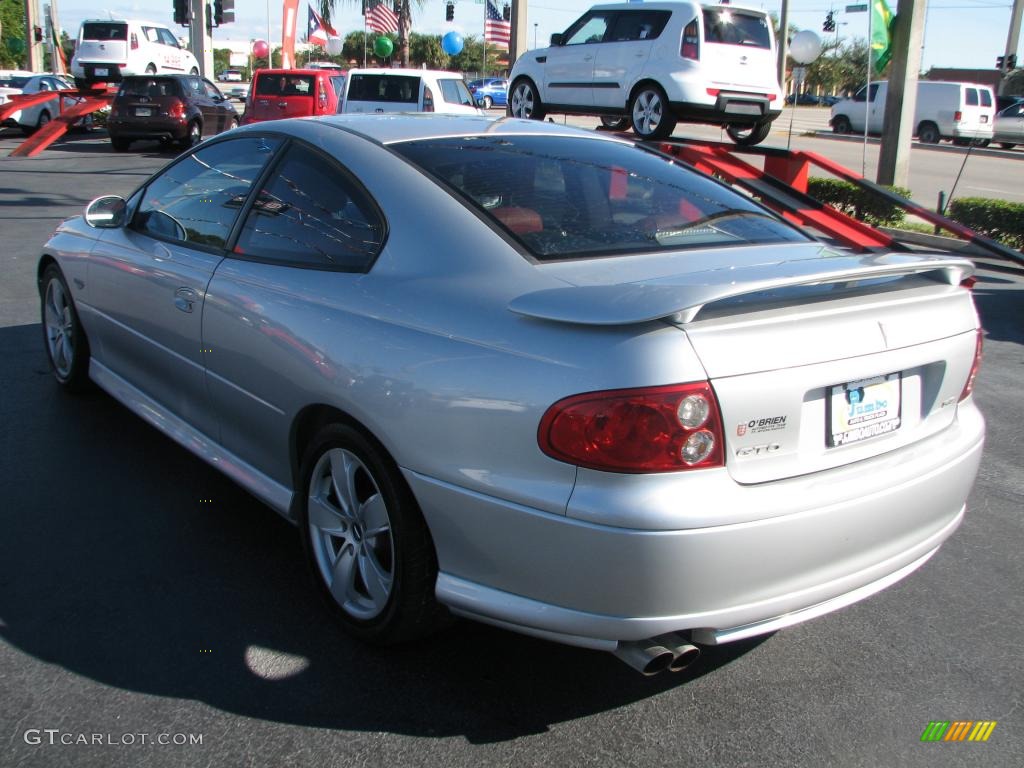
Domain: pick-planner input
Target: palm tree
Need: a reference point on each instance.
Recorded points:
(404, 9)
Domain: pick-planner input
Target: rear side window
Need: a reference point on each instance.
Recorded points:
(638, 25)
(196, 200)
(100, 31)
(986, 97)
(400, 89)
(455, 92)
(564, 198)
(972, 96)
(731, 27)
(310, 213)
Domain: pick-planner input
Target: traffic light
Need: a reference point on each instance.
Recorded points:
(1011, 61)
(506, 12)
(449, 12)
(181, 12)
(830, 22)
(223, 11)
(37, 34)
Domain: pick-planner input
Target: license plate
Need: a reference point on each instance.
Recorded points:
(743, 109)
(143, 112)
(863, 409)
(101, 71)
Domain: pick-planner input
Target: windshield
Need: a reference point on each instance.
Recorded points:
(574, 197)
(13, 81)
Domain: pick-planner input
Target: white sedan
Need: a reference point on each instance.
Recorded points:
(32, 118)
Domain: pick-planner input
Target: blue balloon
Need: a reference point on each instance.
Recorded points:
(452, 43)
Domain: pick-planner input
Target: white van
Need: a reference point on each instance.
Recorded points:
(649, 65)
(108, 50)
(407, 90)
(961, 112)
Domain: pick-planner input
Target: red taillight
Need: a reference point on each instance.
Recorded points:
(691, 41)
(176, 109)
(975, 366)
(652, 429)
(958, 116)
(135, 41)
(428, 99)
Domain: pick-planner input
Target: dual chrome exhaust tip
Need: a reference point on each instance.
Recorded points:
(671, 652)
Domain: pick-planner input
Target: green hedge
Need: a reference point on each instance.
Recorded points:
(859, 203)
(997, 219)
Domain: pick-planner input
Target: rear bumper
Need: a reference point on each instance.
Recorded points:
(728, 109)
(850, 532)
(162, 129)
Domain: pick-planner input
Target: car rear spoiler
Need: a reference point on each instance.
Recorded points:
(681, 297)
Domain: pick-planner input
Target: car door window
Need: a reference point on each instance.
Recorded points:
(168, 38)
(638, 25)
(211, 91)
(456, 92)
(197, 199)
(590, 29)
(312, 213)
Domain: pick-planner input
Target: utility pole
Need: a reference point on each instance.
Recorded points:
(1012, 37)
(199, 38)
(33, 49)
(519, 42)
(783, 44)
(898, 127)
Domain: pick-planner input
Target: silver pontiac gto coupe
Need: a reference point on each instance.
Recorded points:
(530, 375)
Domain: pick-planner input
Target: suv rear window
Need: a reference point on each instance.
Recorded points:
(569, 197)
(731, 27)
(104, 31)
(401, 89)
(151, 87)
(986, 97)
(285, 85)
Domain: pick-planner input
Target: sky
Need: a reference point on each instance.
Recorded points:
(958, 33)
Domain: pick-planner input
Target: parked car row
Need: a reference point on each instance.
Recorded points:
(32, 118)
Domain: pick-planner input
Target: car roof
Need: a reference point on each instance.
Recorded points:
(394, 127)
(296, 71)
(406, 72)
(670, 6)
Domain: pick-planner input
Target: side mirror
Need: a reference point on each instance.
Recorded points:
(558, 39)
(106, 212)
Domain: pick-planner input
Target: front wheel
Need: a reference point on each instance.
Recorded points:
(67, 348)
(841, 124)
(749, 135)
(650, 114)
(524, 101)
(1006, 145)
(928, 133)
(365, 540)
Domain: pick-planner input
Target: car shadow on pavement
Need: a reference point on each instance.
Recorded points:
(130, 562)
(1001, 309)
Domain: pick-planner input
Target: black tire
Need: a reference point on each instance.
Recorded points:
(841, 124)
(615, 123)
(488, 102)
(44, 120)
(650, 113)
(961, 142)
(151, 69)
(64, 339)
(339, 549)
(119, 144)
(193, 137)
(193, 71)
(928, 133)
(1006, 145)
(749, 135)
(524, 100)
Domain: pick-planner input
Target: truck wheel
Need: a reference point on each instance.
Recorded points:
(928, 133)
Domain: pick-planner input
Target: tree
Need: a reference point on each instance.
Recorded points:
(426, 49)
(12, 17)
(404, 8)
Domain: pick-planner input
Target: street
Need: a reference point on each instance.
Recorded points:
(143, 594)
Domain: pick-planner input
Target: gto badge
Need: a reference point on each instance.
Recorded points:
(758, 450)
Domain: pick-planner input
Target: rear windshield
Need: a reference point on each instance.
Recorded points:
(13, 81)
(576, 197)
(285, 85)
(986, 97)
(400, 89)
(151, 87)
(103, 30)
(724, 25)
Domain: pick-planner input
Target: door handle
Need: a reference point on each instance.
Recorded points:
(184, 299)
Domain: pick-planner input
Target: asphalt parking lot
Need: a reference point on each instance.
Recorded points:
(143, 594)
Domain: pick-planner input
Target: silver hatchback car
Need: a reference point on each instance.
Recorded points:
(530, 375)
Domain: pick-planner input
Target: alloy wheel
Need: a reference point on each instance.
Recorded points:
(60, 328)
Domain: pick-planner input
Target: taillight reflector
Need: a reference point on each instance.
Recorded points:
(958, 116)
(650, 429)
(975, 367)
(690, 48)
(176, 108)
(135, 41)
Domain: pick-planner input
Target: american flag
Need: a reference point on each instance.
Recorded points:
(496, 31)
(381, 19)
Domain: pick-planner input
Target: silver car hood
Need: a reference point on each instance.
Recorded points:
(682, 296)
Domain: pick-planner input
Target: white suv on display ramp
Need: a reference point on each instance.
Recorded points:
(650, 65)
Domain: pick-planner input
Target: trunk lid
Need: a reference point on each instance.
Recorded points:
(818, 359)
(103, 42)
(738, 50)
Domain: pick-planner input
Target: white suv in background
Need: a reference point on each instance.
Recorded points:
(108, 50)
(650, 65)
(407, 90)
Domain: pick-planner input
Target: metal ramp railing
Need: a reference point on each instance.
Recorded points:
(88, 102)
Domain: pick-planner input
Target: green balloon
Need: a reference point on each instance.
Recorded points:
(17, 46)
(383, 46)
